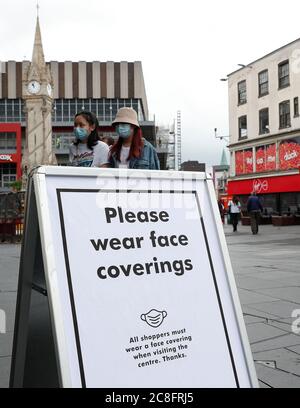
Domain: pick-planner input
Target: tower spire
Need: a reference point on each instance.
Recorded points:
(224, 161)
(38, 52)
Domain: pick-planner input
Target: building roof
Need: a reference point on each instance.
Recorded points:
(265, 56)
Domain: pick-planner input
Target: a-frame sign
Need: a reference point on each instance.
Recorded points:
(125, 281)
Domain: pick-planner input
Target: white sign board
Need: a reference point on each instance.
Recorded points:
(140, 287)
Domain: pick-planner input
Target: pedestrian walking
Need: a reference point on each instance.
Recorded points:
(87, 150)
(254, 209)
(221, 210)
(234, 211)
(131, 150)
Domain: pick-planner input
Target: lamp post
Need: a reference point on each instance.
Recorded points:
(223, 137)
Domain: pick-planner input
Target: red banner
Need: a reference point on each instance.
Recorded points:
(266, 158)
(261, 158)
(289, 154)
(271, 157)
(248, 161)
(239, 162)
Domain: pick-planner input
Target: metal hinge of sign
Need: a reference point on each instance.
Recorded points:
(39, 289)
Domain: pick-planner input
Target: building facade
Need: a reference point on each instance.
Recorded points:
(264, 126)
(100, 87)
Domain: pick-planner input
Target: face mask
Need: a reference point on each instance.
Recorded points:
(154, 318)
(123, 130)
(80, 133)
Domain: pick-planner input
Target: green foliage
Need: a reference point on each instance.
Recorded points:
(16, 185)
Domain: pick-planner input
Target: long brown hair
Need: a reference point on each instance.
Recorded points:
(136, 146)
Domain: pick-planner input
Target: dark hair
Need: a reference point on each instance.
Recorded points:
(135, 148)
(109, 140)
(93, 138)
(235, 199)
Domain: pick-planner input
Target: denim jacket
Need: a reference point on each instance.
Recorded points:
(147, 160)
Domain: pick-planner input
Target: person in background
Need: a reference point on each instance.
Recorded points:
(254, 208)
(87, 150)
(109, 140)
(131, 150)
(221, 209)
(235, 211)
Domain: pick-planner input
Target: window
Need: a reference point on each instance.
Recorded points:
(7, 174)
(8, 142)
(64, 110)
(296, 106)
(263, 83)
(263, 121)
(284, 115)
(283, 74)
(243, 132)
(242, 92)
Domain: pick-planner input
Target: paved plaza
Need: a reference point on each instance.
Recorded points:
(267, 271)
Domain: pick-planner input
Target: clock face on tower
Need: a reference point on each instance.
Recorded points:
(33, 87)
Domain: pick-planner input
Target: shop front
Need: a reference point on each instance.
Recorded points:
(280, 193)
(10, 154)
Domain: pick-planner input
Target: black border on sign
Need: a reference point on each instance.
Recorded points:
(72, 301)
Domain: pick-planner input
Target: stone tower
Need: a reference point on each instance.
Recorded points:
(37, 95)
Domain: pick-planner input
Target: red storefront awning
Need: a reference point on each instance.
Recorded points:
(265, 185)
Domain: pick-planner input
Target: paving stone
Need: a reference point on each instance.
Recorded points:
(248, 297)
(4, 371)
(281, 341)
(6, 341)
(283, 324)
(255, 283)
(261, 331)
(295, 349)
(8, 304)
(278, 308)
(284, 359)
(263, 385)
(251, 319)
(276, 378)
(249, 310)
(291, 294)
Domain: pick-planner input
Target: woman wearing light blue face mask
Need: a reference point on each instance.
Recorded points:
(87, 150)
(131, 150)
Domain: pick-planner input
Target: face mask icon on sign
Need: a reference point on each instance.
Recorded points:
(154, 318)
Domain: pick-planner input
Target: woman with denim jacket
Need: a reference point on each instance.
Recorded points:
(131, 150)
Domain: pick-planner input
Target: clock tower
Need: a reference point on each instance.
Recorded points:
(37, 95)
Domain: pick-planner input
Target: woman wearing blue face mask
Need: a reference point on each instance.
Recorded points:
(87, 150)
(131, 150)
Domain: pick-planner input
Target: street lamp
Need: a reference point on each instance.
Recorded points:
(221, 137)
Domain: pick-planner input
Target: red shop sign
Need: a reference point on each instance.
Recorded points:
(265, 185)
(8, 158)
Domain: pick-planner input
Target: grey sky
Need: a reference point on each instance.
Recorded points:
(185, 48)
